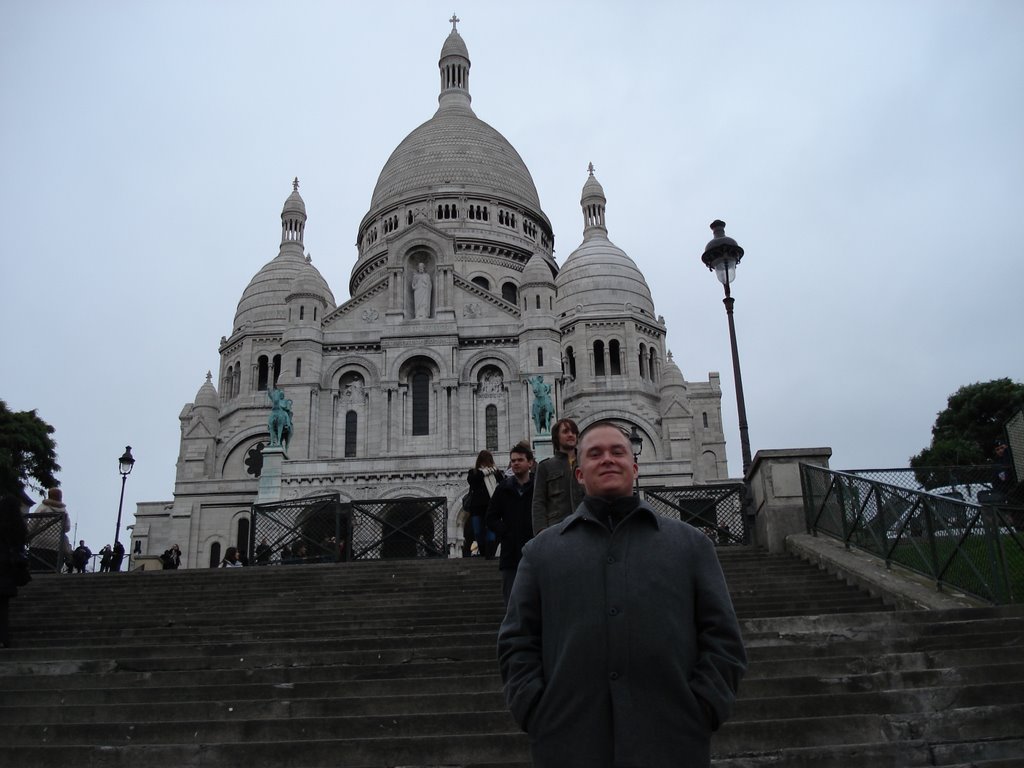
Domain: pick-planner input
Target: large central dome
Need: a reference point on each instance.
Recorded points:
(454, 151)
(457, 149)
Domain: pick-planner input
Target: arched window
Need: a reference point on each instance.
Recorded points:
(643, 361)
(538, 300)
(599, 358)
(705, 414)
(302, 313)
(572, 362)
(491, 427)
(236, 380)
(510, 293)
(215, 554)
(262, 373)
(351, 425)
(298, 367)
(277, 368)
(653, 365)
(420, 381)
(483, 282)
(540, 356)
(613, 358)
(242, 539)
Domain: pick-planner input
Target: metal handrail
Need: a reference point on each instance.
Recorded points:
(959, 544)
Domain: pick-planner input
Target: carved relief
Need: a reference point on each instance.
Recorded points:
(491, 382)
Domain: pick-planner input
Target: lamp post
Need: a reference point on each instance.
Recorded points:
(637, 441)
(124, 466)
(722, 255)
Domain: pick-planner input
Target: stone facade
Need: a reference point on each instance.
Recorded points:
(456, 302)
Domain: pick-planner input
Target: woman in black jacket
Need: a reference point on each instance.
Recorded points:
(483, 479)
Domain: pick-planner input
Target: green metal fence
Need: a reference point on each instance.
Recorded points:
(958, 543)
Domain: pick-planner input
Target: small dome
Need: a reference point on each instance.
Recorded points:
(310, 283)
(263, 301)
(671, 376)
(454, 45)
(538, 271)
(592, 187)
(294, 204)
(206, 397)
(599, 275)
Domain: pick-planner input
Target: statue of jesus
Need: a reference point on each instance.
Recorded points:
(421, 292)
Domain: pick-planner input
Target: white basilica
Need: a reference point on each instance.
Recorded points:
(456, 302)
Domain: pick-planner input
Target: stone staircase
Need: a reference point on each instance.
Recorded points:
(392, 663)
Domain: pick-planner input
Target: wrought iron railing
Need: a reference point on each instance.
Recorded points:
(718, 510)
(957, 543)
(322, 529)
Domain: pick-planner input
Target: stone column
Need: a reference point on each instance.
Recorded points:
(777, 502)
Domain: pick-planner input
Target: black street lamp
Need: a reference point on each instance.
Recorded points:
(637, 441)
(722, 255)
(124, 466)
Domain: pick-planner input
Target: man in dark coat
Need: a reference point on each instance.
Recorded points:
(620, 646)
(509, 513)
(80, 557)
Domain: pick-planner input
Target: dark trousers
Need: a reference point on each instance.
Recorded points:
(508, 577)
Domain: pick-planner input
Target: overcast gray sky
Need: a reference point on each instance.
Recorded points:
(869, 156)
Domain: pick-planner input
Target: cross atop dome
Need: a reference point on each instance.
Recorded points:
(295, 184)
(590, 168)
(454, 20)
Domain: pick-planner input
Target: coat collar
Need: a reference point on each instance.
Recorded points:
(644, 512)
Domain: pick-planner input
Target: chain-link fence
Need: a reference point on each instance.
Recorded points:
(399, 528)
(48, 548)
(718, 510)
(310, 530)
(322, 529)
(976, 548)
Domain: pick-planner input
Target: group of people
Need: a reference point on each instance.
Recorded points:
(510, 506)
(111, 558)
(619, 645)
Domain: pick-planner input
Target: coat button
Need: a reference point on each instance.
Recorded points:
(610, 559)
(613, 676)
(613, 611)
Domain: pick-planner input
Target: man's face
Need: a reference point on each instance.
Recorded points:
(606, 467)
(566, 437)
(520, 466)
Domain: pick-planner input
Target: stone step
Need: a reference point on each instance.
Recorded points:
(367, 665)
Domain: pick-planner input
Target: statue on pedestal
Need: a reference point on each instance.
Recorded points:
(543, 409)
(280, 422)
